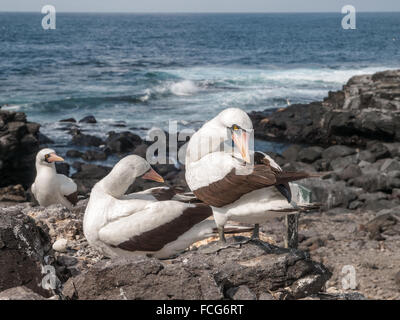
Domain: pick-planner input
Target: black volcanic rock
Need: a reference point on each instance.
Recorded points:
(23, 247)
(94, 155)
(74, 154)
(18, 147)
(63, 168)
(81, 139)
(13, 194)
(88, 119)
(88, 175)
(20, 293)
(122, 142)
(44, 140)
(68, 120)
(367, 108)
(310, 154)
(248, 271)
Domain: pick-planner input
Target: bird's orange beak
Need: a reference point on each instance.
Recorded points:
(152, 175)
(54, 158)
(242, 143)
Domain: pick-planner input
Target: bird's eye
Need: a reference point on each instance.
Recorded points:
(235, 127)
(47, 156)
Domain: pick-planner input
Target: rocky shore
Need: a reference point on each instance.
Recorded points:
(354, 134)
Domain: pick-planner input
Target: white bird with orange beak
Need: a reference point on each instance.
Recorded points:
(49, 186)
(229, 182)
(137, 224)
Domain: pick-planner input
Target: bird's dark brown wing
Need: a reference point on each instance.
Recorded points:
(233, 186)
(157, 238)
(173, 193)
(163, 194)
(73, 198)
(284, 189)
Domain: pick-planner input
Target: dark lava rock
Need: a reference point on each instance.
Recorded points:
(210, 272)
(88, 119)
(337, 296)
(62, 168)
(379, 150)
(140, 150)
(340, 163)
(44, 140)
(66, 260)
(88, 175)
(81, 139)
(378, 181)
(313, 243)
(122, 142)
(13, 194)
(291, 152)
(68, 120)
(350, 172)
(119, 124)
(355, 115)
(20, 293)
(379, 225)
(93, 155)
(18, 147)
(241, 293)
(310, 154)
(337, 152)
(390, 165)
(23, 247)
(366, 155)
(331, 193)
(298, 166)
(74, 154)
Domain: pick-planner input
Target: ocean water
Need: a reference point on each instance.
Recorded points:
(145, 70)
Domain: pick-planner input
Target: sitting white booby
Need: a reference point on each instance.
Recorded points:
(236, 189)
(49, 186)
(127, 225)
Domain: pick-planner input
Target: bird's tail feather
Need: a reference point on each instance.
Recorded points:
(234, 229)
(304, 207)
(289, 176)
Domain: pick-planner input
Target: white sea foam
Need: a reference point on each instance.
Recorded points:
(254, 76)
(184, 88)
(11, 107)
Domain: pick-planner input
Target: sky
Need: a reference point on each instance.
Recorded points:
(199, 5)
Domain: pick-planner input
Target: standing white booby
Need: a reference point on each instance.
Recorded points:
(49, 186)
(236, 189)
(126, 225)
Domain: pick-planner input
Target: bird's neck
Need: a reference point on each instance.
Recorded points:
(116, 185)
(207, 140)
(46, 169)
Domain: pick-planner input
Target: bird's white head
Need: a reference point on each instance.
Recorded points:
(231, 123)
(239, 126)
(47, 157)
(230, 117)
(125, 172)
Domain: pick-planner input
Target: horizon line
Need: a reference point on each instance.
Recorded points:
(192, 12)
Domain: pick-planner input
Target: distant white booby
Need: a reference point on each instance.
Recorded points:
(126, 225)
(49, 187)
(236, 189)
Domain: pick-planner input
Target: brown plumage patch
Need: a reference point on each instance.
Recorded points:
(233, 186)
(157, 238)
(163, 194)
(73, 198)
(174, 193)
